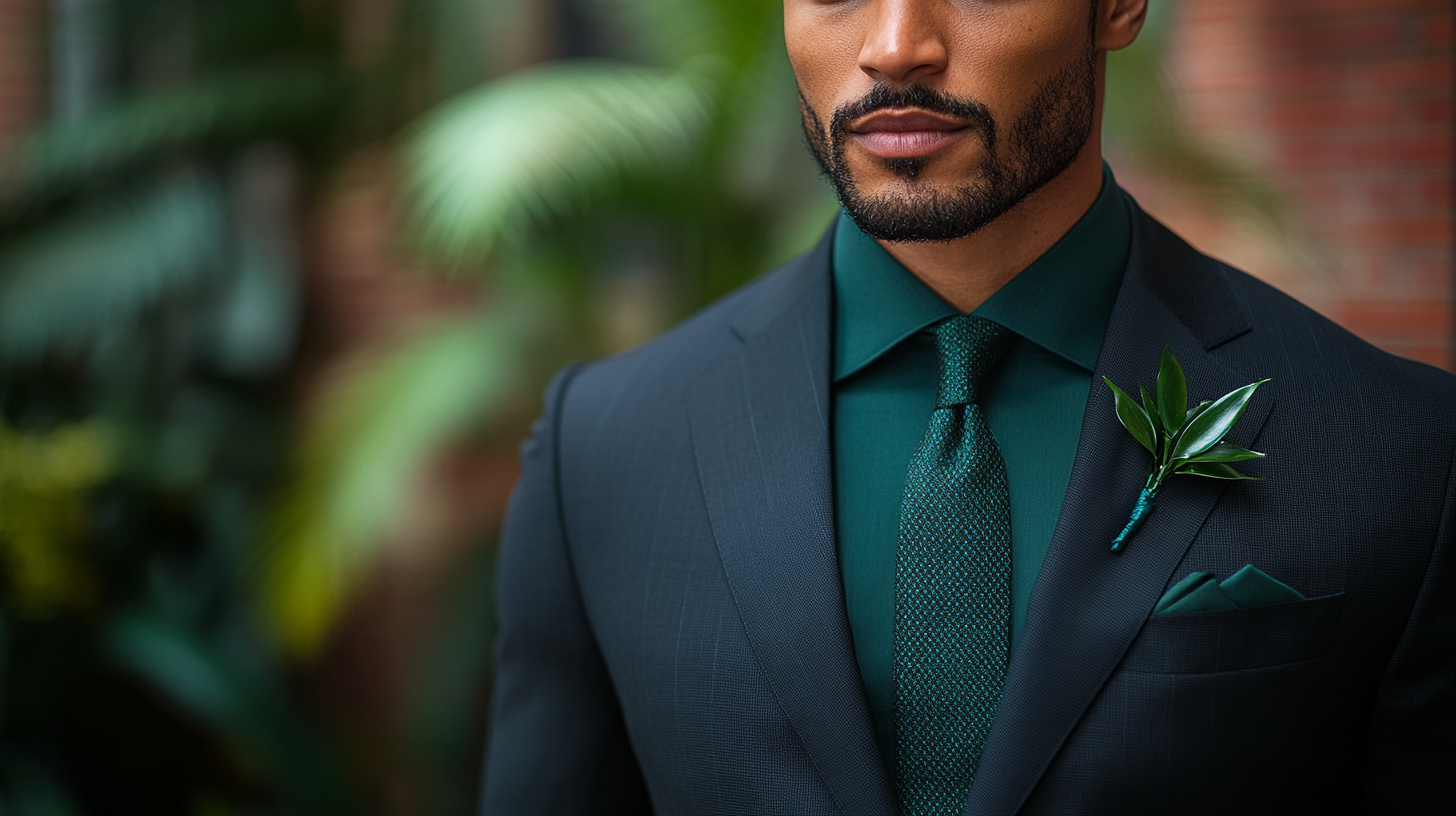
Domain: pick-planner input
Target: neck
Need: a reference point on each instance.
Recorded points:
(967, 271)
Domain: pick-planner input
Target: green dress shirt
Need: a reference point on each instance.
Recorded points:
(885, 377)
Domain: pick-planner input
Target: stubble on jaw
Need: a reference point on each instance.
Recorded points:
(1043, 141)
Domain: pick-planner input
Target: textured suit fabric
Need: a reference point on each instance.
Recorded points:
(673, 632)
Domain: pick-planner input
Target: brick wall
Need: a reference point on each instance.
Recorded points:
(1346, 107)
(22, 64)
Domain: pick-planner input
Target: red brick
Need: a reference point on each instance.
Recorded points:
(1419, 275)
(1435, 194)
(1305, 154)
(1415, 151)
(1320, 188)
(1410, 232)
(1340, 39)
(21, 65)
(1419, 73)
(1438, 355)
(1345, 155)
(1305, 78)
(1345, 113)
(1434, 274)
(1387, 194)
(1414, 319)
(1437, 31)
(1436, 111)
(1299, 10)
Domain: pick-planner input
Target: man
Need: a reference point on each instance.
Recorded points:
(841, 542)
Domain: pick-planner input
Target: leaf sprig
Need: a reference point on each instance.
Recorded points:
(1182, 440)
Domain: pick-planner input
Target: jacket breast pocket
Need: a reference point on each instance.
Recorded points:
(1235, 639)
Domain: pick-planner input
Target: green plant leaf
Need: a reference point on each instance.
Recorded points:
(1172, 393)
(376, 428)
(1195, 411)
(1150, 403)
(545, 143)
(1214, 470)
(98, 269)
(1210, 426)
(1133, 418)
(1192, 414)
(1225, 452)
(68, 152)
(178, 663)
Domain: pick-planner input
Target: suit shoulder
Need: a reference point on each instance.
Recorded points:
(658, 371)
(1290, 335)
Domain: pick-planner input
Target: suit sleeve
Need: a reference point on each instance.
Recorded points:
(557, 741)
(1411, 745)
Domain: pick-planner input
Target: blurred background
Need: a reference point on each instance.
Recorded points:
(281, 282)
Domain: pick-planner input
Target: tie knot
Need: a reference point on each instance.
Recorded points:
(969, 349)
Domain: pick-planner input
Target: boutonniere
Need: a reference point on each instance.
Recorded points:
(1183, 441)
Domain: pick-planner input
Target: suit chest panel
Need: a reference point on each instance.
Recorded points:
(694, 695)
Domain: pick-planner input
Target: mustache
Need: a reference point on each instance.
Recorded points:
(892, 97)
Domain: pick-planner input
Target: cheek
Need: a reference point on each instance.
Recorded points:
(823, 44)
(1003, 54)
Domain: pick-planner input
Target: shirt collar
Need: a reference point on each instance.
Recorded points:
(1061, 302)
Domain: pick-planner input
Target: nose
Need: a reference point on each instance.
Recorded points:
(905, 41)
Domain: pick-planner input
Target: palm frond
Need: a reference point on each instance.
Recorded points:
(544, 143)
(374, 432)
(86, 275)
(65, 153)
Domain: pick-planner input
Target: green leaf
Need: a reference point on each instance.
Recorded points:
(68, 152)
(99, 269)
(545, 143)
(1214, 470)
(1172, 393)
(1195, 411)
(375, 430)
(178, 663)
(1133, 418)
(1225, 452)
(1210, 426)
(1150, 403)
(1192, 414)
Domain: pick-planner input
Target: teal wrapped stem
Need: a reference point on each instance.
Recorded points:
(1140, 513)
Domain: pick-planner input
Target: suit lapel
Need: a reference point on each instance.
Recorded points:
(1088, 604)
(760, 424)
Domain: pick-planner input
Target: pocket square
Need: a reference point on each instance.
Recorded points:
(1202, 592)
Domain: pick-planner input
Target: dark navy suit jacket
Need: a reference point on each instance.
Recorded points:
(673, 628)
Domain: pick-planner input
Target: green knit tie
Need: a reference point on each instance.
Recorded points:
(952, 581)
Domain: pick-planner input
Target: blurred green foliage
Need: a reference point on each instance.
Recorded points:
(149, 302)
(176, 544)
(673, 158)
(172, 542)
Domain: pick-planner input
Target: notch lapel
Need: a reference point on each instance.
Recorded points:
(1088, 604)
(760, 426)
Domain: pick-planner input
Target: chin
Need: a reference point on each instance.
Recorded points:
(918, 185)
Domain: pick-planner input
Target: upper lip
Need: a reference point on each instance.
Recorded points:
(900, 121)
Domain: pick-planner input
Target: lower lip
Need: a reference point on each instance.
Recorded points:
(905, 144)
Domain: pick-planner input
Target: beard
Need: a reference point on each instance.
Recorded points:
(1041, 144)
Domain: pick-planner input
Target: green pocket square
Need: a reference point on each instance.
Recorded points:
(1201, 592)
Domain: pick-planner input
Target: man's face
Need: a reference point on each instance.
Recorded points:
(932, 118)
